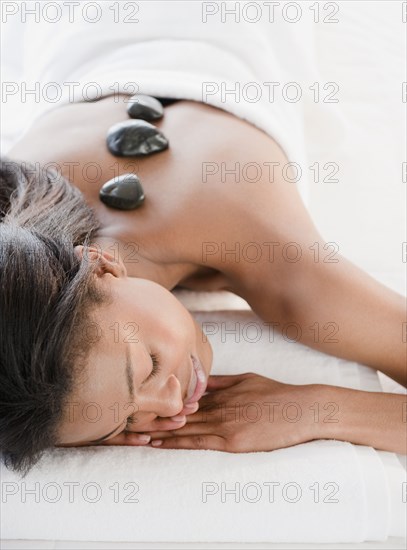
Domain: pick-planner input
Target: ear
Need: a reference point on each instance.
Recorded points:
(108, 262)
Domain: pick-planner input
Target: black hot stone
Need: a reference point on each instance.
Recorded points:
(145, 107)
(135, 138)
(123, 192)
(165, 101)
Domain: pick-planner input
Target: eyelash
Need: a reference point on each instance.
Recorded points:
(156, 366)
(156, 369)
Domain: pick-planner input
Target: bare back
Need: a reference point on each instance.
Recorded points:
(199, 191)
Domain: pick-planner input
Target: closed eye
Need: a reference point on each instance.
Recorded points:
(155, 370)
(156, 367)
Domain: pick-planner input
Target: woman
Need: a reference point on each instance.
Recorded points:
(96, 350)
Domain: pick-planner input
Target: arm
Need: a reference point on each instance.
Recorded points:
(338, 308)
(273, 256)
(342, 311)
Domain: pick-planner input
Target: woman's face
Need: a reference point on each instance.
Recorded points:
(146, 356)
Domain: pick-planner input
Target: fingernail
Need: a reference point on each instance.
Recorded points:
(178, 418)
(144, 438)
(191, 406)
(156, 442)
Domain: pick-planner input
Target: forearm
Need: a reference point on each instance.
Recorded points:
(370, 318)
(366, 418)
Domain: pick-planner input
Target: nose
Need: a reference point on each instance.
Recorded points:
(164, 399)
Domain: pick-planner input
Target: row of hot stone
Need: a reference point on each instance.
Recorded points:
(134, 138)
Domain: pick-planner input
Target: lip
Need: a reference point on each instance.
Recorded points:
(198, 383)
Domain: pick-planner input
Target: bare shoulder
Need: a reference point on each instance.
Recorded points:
(245, 210)
(240, 195)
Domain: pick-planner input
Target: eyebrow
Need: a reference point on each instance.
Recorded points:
(128, 373)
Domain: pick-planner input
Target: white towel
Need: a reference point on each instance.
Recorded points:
(324, 491)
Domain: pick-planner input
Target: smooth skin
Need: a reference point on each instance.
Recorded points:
(182, 237)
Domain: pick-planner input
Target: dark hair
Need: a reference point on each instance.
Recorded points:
(46, 296)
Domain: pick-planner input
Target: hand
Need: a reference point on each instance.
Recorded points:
(246, 413)
(158, 424)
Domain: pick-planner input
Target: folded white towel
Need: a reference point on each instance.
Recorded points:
(322, 491)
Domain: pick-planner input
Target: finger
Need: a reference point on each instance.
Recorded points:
(213, 442)
(168, 423)
(171, 422)
(190, 408)
(221, 381)
(128, 438)
(188, 429)
(162, 424)
(209, 412)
